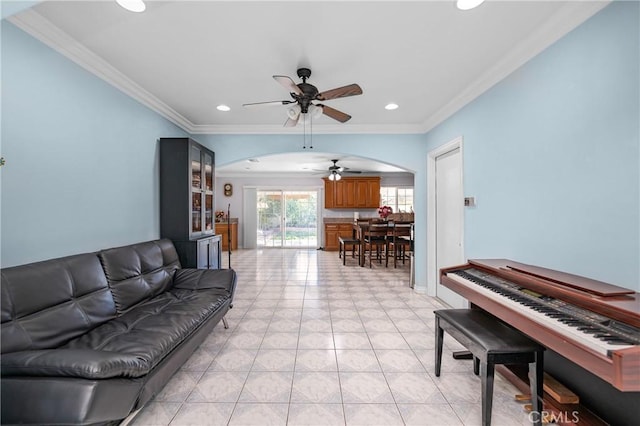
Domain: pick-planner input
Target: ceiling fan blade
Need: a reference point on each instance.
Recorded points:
(340, 92)
(268, 103)
(334, 113)
(291, 123)
(288, 84)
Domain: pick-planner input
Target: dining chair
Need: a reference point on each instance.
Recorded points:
(399, 240)
(375, 237)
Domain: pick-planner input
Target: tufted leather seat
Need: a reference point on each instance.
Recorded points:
(89, 338)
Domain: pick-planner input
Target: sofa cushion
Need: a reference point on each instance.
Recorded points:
(194, 279)
(85, 363)
(46, 304)
(139, 272)
(152, 329)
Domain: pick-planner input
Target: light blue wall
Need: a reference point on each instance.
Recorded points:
(552, 155)
(81, 171)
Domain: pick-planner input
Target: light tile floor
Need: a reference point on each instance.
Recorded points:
(313, 342)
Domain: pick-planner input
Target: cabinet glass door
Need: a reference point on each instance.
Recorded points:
(208, 192)
(208, 212)
(196, 190)
(196, 212)
(208, 172)
(196, 168)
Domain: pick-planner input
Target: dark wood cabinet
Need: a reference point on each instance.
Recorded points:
(187, 205)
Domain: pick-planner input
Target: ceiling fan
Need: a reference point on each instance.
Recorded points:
(303, 94)
(335, 171)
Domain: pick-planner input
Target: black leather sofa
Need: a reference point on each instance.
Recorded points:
(90, 338)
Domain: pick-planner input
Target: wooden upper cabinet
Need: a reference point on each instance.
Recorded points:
(352, 193)
(367, 193)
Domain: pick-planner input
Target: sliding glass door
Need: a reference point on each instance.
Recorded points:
(287, 218)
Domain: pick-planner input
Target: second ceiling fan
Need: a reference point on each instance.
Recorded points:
(335, 171)
(304, 94)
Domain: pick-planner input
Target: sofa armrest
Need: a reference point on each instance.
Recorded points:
(80, 363)
(200, 279)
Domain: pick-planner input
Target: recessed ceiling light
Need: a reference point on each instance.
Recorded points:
(391, 106)
(132, 5)
(223, 107)
(468, 4)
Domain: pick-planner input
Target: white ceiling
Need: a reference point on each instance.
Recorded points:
(183, 58)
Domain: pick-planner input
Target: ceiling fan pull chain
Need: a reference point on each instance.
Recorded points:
(304, 133)
(310, 131)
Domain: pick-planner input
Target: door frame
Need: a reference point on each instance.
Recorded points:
(432, 272)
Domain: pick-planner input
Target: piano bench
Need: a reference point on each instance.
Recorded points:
(344, 243)
(491, 342)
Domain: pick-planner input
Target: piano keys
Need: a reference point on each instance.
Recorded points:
(594, 331)
(594, 325)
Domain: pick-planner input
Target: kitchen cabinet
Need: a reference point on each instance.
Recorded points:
(352, 193)
(332, 232)
(367, 193)
(223, 229)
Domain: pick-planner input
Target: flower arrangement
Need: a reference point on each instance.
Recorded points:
(384, 211)
(219, 215)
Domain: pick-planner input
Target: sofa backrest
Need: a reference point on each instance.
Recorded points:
(140, 271)
(46, 304)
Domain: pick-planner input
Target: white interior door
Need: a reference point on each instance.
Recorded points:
(449, 210)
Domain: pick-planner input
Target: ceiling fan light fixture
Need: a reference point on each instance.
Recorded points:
(334, 176)
(315, 111)
(294, 111)
(468, 4)
(132, 5)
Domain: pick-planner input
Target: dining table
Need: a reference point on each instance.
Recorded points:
(361, 226)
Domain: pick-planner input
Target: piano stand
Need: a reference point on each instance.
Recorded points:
(491, 342)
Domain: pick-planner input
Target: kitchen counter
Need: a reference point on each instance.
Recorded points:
(346, 219)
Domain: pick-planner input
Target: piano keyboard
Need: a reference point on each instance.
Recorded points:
(593, 330)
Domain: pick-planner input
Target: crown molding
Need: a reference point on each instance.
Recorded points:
(264, 129)
(43, 30)
(566, 19)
